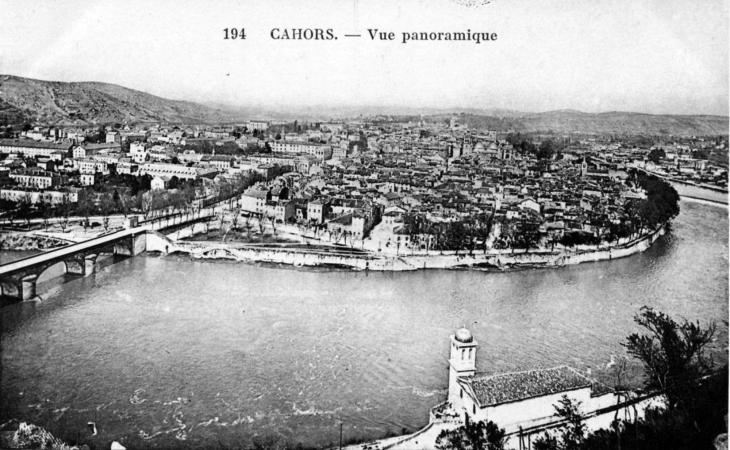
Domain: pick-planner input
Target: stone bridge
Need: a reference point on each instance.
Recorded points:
(18, 278)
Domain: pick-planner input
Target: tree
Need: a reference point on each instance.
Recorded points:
(603, 229)
(146, 202)
(46, 211)
(247, 226)
(272, 219)
(235, 216)
(85, 207)
(555, 235)
(672, 354)
(657, 155)
(472, 436)
(413, 225)
(438, 230)
(7, 206)
(262, 227)
(456, 233)
(546, 149)
(527, 234)
(145, 182)
(125, 204)
(64, 211)
(25, 207)
(107, 207)
(662, 200)
(572, 435)
(484, 223)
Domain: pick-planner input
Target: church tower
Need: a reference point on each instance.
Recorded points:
(462, 362)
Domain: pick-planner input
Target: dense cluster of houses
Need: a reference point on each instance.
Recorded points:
(364, 177)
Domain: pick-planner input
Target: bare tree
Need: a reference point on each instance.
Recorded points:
(64, 211)
(125, 203)
(247, 226)
(146, 203)
(85, 207)
(107, 207)
(555, 236)
(46, 211)
(273, 223)
(235, 216)
(25, 207)
(484, 224)
(262, 227)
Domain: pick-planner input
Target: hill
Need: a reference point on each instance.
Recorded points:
(626, 123)
(83, 103)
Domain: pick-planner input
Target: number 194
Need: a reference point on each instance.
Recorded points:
(234, 33)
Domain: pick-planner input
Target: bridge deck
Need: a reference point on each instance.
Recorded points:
(67, 251)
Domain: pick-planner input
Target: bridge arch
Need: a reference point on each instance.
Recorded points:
(8, 288)
(51, 271)
(123, 248)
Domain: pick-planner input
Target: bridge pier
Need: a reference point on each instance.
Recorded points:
(75, 267)
(12, 289)
(20, 288)
(28, 287)
(90, 265)
(82, 267)
(139, 244)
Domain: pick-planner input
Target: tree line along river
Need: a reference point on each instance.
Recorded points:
(164, 352)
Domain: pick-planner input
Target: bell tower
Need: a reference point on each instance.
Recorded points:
(462, 362)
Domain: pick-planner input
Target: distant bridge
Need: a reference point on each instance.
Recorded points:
(18, 278)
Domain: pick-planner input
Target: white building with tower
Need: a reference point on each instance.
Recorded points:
(522, 403)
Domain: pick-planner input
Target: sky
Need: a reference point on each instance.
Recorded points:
(652, 56)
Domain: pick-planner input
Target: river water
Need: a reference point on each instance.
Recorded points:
(237, 352)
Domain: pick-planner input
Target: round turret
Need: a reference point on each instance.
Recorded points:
(464, 335)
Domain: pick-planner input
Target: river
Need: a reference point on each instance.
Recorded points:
(233, 351)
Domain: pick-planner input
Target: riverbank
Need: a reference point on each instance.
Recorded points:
(317, 253)
(355, 259)
(691, 190)
(29, 241)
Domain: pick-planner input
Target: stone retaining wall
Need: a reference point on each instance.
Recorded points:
(500, 259)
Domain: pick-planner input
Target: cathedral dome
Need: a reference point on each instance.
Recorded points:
(464, 335)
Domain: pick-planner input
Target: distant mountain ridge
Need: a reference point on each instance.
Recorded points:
(86, 103)
(614, 122)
